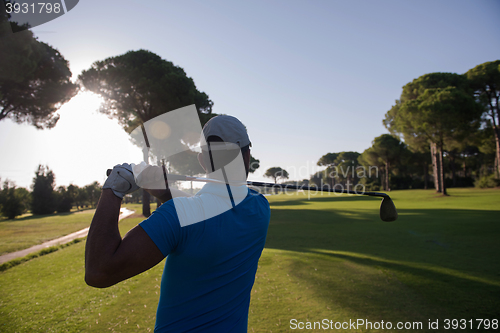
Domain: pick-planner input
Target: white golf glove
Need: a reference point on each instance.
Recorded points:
(121, 180)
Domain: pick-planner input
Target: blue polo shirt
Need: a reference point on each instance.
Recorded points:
(211, 263)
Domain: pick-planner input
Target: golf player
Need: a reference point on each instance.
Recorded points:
(212, 240)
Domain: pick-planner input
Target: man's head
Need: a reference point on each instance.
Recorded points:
(225, 136)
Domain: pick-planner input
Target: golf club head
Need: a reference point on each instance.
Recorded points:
(388, 212)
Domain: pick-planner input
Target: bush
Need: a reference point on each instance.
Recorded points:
(408, 182)
(43, 197)
(460, 182)
(64, 203)
(13, 201)
(18, 261)
(400, 182)
(487, 182)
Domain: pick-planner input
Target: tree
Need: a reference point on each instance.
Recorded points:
(36, 81)
(64, 199)
(388, 149)
(43, 198)
(421, 159)
(276, 173)
(93, 193)
(437, 108)
(402, 127)
(137, 196)
(138, 86)
(457, 149)
(487, 143)
(347, 162)
(485, 80)
(328, 160)
(78, 195)
(25, 197)
(317, 178)
(13, 200)
(254, 164)
(369, 159)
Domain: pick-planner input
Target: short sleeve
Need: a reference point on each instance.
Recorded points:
(163, 228)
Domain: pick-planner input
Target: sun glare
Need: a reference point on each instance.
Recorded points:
(84, 102)
(87, 142)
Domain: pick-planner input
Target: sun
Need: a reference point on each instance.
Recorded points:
(82, 104)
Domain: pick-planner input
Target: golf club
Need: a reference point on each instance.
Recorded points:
(388, 212)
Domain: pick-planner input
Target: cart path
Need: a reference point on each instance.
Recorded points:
(124, 212)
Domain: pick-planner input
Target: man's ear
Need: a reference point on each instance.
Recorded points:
(200, 160)
(247, 154)
(246, 160)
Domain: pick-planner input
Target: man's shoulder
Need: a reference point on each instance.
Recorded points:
(166, 211)
(258, 202)
(255, 194)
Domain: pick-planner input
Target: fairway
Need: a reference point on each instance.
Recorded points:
(326, 257)
(27, 231)
(331, 257)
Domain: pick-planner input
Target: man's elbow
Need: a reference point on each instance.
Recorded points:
(97, 280)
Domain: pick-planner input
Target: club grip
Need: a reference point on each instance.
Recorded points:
(108, 172)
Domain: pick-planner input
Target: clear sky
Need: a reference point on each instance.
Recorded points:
(305, 77)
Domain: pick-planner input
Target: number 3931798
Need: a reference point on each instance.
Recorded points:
(31, 13)
(479, 324)
(33, 8)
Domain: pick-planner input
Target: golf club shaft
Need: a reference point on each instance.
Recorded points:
(314, 188)
(172, 177)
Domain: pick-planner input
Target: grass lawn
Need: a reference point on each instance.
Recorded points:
(30, 230)
(24, 232)
(327, 257)
(333, 258)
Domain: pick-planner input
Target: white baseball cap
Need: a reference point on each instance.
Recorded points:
(228, 128)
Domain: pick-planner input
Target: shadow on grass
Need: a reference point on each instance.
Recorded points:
(447, 259)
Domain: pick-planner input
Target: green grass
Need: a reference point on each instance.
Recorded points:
(138, 207)
(328, 257)
(30, 230)
(24, 232)
(32, 255)
(48, 294)
(439, 260)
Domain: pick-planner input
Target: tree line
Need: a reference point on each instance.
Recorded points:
(45, 197)
(444, 124)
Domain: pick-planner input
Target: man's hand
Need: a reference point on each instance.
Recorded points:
(152, 179)
(149, 177)
(121, 180)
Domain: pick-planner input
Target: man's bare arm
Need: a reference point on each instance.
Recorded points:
(110, 259)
